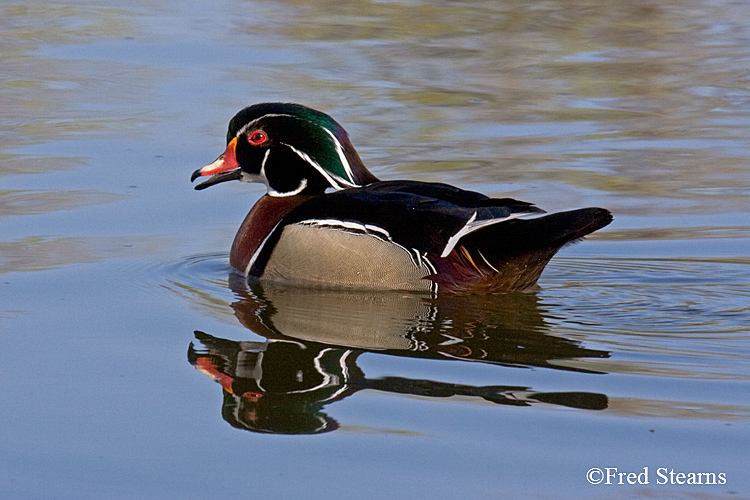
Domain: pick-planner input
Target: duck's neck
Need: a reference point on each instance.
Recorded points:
(258, 224)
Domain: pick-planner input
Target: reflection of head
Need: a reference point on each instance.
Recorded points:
(274, 414)
(315, 336)
(276, 386)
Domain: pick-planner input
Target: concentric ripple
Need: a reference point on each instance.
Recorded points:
(675, 317)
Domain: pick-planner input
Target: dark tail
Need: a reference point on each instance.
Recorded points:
(512, 255)
(520, 236)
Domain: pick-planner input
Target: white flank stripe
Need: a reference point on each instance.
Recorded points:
(376, 229)
(367, 228)
(258, 250)
(472, 225)
(418, 259)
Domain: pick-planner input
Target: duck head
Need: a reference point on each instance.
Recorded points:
(290, 148)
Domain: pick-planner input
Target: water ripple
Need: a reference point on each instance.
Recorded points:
(675, 317)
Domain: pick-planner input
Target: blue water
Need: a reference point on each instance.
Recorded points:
(136, 366)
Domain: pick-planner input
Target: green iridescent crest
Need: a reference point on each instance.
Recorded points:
(308, 132)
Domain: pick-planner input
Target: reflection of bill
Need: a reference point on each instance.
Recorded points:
(315, 337)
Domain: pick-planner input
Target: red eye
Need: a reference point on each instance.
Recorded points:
(257, 138)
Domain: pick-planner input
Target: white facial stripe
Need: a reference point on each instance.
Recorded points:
(333, 180)
(251, 125)
(342, 156)
(263, 165)
(327, 380)
(262, 177)
(336, 181)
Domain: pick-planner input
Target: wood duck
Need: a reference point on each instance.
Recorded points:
(328, 221)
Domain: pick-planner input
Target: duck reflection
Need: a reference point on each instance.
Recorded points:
(314, 338)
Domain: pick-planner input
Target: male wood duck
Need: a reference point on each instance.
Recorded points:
(328, 221)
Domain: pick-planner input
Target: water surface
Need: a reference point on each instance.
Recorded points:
(138, 366)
